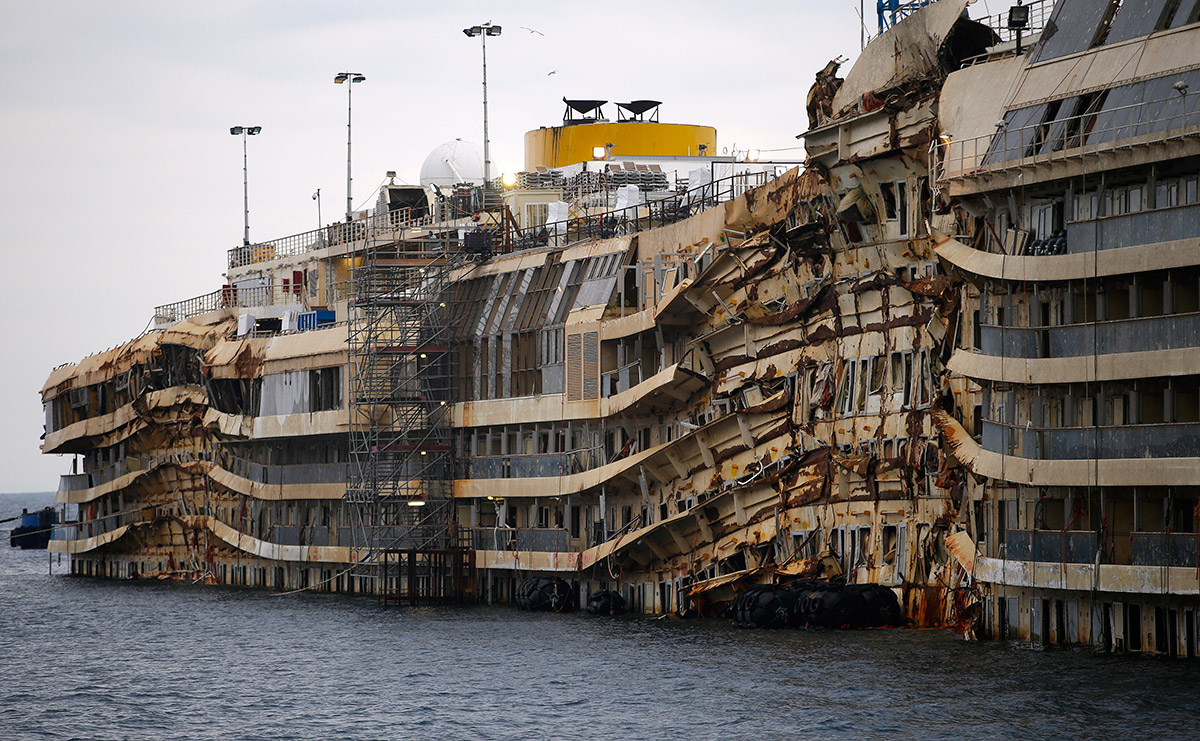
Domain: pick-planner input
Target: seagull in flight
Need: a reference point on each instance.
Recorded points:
(552, 72)
(530, 30)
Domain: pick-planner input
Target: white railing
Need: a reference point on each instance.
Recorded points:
(1139, 124)
(329, 236)
(228, 298)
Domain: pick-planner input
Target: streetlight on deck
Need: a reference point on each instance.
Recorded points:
(352, 78)
(245, 131)
(483, 31)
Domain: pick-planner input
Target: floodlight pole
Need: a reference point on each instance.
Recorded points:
(350, 78)
(245, 131)
(483, 31)
(487, 157)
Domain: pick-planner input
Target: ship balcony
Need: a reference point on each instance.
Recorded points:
(1174, 440)
(1088, 577)
(1081, 546)
(1157, 244)
(1065, 558)
(538, 540)
(532, 465)
(1112, 337)
(1152, 124)
(1106, 471)
(1155, 226)
(293, 481)
(286, 475)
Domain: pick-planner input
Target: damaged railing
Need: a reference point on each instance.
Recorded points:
(89, 479)
(1150, 122)
(621, 379)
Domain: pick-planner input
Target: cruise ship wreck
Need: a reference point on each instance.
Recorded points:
(954, 354)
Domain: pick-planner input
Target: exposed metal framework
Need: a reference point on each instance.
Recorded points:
(400, 490)
(892, 12)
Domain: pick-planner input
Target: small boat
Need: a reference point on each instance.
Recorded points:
(35, 529)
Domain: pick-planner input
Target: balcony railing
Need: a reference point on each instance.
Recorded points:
(1131, 230)
(542, 540)
(284, 475)
(622, 379)
(1149, 122)
(1164, 549)
(1053, 546)
(1174, 440)
(296, 535)
(540, 465)
(79, 481)
(1140, 334)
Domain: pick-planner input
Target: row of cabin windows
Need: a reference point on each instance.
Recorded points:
(1146, 401)
(1044, 217)
(1151, 294)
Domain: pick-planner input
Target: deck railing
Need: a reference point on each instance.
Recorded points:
(228, 298)
(328, 236)
(1039, 14)
(604, 225)
(1149, 122)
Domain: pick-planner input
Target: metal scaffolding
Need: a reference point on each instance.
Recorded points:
(400, 491)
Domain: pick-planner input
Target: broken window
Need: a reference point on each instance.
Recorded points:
(888, 192)
(326, 388)
(878, 368)
(846, 395)
(890, 540)
(860, 396)
(924, 380)
(901, 368)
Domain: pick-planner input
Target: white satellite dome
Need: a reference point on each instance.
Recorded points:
(452, 163)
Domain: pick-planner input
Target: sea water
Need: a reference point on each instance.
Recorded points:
(88, 658)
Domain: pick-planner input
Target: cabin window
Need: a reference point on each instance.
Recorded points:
(895, 204)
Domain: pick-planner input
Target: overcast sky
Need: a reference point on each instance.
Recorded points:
(121, 187)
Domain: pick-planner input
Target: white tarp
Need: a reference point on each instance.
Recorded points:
(698, 180)
(245, 324)
(628, 196)
(556, 213)
(284, 393)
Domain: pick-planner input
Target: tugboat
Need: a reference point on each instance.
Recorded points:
(35, 529)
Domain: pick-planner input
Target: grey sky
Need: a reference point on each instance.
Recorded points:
(121, 185)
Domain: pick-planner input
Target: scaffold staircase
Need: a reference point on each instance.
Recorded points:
(400, 490)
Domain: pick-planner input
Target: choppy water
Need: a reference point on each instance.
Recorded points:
(81, 658)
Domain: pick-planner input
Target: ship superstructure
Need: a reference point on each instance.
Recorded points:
(1075, 202)
(949, 356)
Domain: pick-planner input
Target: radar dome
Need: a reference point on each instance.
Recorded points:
(452, 163)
